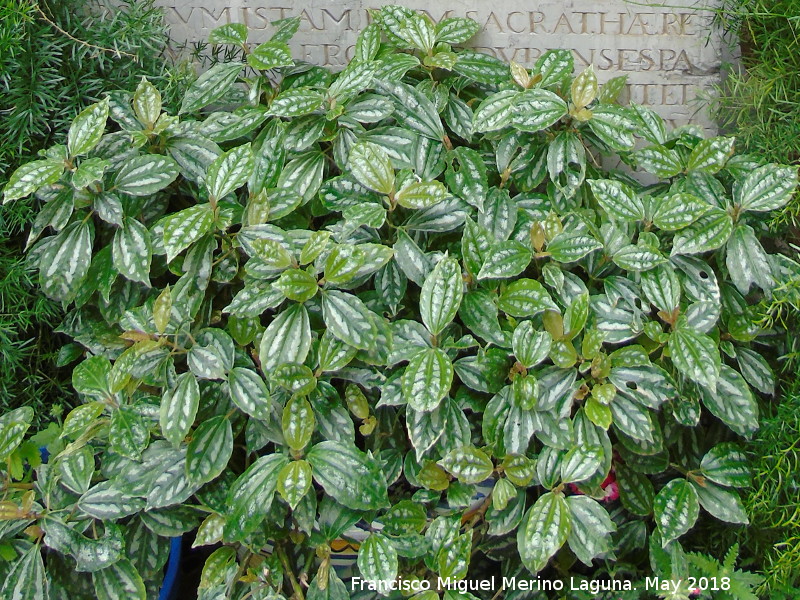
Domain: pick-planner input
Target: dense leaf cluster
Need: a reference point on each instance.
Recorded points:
(46, 78)
(401, 305)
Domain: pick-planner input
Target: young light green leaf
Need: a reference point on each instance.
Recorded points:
(584, 88)
(294, 481)
(505, 259)
(297, 422)
(421, 194)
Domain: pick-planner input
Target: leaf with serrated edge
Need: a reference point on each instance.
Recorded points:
(543, 530)
(441, 295)
(676, 508)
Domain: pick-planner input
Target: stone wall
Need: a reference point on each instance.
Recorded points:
(671, 55)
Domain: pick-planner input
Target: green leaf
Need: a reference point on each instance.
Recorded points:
(229, 171)
(708, 232)
(696, 356)
(120, 580)
(87, 128)
(421, 194)
(554, 66)
(352, 478)
(530, 346)
(543, 530)
(352, 80)
(571, 246)
(106, 501)
(90, 377)
(184, 228)
(495, 112)
(66, 261)
(468, 464)
(766, 188)
(455, 30)
(747, 261)
(441, 295)
(676, 509)
(297, 285)
(618, 199)
(270, 55)
(31, 176)
(13, 426)
(377, 562)
(635, 491)
(537, 109)
(589, 534)
(638, 257)
(298, 423)
(427, 379)
(614, 126)
(145, 175)
(209, 450)
(732, 401)
(179, 408)
(294, 481)
(371, 166)
(26, 579)
(660, 161)
(505, 259)
(677, 211)
(756, 370)
(129, 434)
(723, 504)
(230, 33)
(296, 102)
(414, 109)
(286, 339)
(580, 463)
(481, 67)
(249, 393)
(710, 155)
(727, 465)
(348, 318)
(132, 251)
(210, 86)
(525, 298)
(250, 497)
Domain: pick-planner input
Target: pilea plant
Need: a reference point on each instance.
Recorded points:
(401, 306)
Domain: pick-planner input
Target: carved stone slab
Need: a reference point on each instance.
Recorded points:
(671, 54)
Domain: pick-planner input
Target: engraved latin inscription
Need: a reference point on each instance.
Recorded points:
(670, 54)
